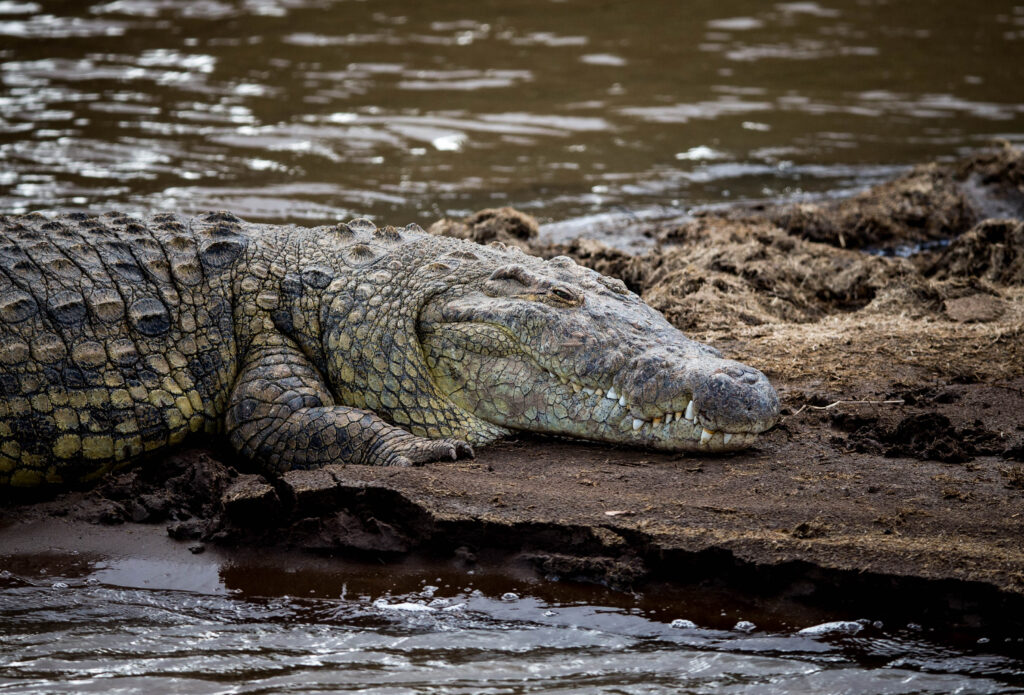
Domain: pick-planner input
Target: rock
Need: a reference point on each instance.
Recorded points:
(189, 530)
(251, 500)
(312, 492)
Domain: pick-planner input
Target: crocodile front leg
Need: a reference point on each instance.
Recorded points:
(282, 416)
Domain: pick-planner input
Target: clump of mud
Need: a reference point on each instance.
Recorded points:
(995, 180)
(721, 272)
(506, 225)
(787, 264)
(632, 270)
(183, 491)
(923, 205)
(713, 273)
(993, 251)
(931, 202)
(926, 436)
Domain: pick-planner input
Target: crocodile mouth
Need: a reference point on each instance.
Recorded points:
(688, 405)
(680, 425)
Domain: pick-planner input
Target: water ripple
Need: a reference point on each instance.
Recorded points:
(84, 638)
(557, 109)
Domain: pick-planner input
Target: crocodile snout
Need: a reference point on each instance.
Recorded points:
(737, 398)
(742, 373)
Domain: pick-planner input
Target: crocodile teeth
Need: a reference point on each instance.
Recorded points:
(689, 411)
(611, 393)
(637, 423)
(668, 418)
(622, 401)
(705, 436)
(726, 438)
(679, 415)
(656, 421)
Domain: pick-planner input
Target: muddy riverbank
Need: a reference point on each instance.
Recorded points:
(894, 479)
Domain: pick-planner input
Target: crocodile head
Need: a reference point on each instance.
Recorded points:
(557, 348)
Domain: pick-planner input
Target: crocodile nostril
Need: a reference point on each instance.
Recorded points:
(744, 375)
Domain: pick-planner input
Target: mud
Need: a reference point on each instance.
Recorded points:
(506, 225)
(933, 202)
(894, 477)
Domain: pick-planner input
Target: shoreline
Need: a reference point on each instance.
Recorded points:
(894, 477)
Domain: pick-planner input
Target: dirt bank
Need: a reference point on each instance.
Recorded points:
(895, 477)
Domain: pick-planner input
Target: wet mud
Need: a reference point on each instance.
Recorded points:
(895, 477)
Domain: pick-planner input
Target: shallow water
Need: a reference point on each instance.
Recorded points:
(251, 624)
(592, 116)
(589, 116)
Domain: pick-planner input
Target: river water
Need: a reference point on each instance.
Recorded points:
(593, 116)
(154, 618)
(590, 116)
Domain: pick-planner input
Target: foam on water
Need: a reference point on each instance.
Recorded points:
(74, 635)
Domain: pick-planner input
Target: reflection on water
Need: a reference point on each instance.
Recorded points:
(314, 110)
(74, 624)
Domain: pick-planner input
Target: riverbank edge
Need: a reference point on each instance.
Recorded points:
(891, 486)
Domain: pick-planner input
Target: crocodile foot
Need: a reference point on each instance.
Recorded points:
(419, 450)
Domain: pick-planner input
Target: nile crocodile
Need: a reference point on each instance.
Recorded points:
(346, 343)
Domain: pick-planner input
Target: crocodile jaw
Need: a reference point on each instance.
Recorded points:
(550, 346)
(700, 402)
(686, 422)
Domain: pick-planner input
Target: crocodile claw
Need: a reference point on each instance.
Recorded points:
(420, 451)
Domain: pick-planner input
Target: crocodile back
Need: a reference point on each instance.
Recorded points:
(115, 339)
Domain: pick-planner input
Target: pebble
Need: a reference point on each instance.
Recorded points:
(838, 627)
(682, 624)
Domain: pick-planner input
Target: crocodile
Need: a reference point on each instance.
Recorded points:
(120, 337)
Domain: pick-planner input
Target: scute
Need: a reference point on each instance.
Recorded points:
(17, 306)
(67, 309)
(149, 317)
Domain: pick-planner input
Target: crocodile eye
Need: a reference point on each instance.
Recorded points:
(566, 295)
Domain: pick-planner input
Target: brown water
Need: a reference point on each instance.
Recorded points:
(587, 115)
(157, 619)
(592, 116)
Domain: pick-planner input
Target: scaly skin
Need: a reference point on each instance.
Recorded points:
(337, 344)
